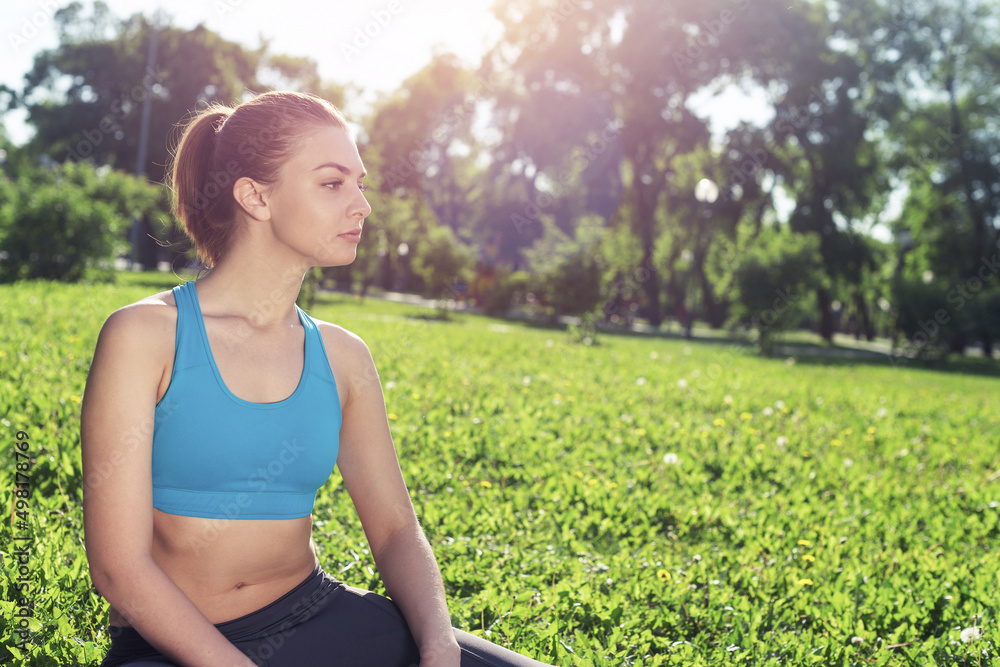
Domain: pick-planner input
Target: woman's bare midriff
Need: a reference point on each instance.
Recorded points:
(228, 567)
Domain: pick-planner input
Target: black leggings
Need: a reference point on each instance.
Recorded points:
(321, 623)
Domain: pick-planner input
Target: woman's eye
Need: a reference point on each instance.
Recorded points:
(363, 187)
(334, 185)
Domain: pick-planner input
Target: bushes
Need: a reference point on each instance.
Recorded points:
(775, 276)
(57, 223)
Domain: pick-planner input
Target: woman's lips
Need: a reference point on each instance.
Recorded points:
(354, 236)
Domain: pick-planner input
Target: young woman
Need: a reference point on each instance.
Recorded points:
(215, 411)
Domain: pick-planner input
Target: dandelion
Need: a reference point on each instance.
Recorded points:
(526, 380)
(727, 399)
(415, 396)
(805, 543)
(807, 558)
(663, 575)
(781, 441)
(971, 634)
(779, 404)
(671, 459)
(592, 482)
(640, 431)
(682, 383)
(836, 443)
(390, 384)
(640, 381)
(848, 463)
(578, 474)
(745, 416)
(882, 412)
(848, 431)
(393, 416)
(719, 421)
(486, 484)
(805, 582)
(768, 411)
(871, 430)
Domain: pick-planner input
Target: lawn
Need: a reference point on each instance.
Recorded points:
(641, 501)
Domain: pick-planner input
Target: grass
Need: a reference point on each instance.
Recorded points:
(645, 501)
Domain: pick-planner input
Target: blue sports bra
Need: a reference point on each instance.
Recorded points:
(216, 455)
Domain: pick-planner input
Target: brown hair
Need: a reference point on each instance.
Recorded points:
(221, 144)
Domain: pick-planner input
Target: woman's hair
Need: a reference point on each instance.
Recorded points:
(221, 144)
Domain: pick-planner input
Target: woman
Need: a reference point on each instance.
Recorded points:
(214, 412)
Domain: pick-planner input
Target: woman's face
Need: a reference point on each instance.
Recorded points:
(317, 205)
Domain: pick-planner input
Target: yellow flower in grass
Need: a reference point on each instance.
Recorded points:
(663, 575)
(805, 543)
(486, 484)
(392, 416)
(745, 416)
(804, 582)
(719, 421)
(807, 558)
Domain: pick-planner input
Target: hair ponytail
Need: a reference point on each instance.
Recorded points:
(199, 203)
(221, 145)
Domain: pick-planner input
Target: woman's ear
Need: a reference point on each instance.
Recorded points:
(250, 195)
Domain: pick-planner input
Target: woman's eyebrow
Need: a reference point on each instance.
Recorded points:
(336, 165)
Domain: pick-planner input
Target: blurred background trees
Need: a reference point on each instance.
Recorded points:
(579, 170)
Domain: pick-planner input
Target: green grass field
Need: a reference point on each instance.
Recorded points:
(643, 501)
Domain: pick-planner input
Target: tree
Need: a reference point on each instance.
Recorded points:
(772, 281)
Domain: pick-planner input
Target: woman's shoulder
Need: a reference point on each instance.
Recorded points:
(339, 341)
(348, 354)
(147, 320)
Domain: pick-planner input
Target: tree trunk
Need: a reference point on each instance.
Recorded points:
(823, 300)
(713, 309)
(866, 321)
(650, 280)
(987, 340)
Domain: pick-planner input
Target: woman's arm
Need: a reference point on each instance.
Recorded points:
(371, 473)
(116, 434)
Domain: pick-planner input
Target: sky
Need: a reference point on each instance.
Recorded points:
(376, 44)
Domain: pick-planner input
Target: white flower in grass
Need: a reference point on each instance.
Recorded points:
(971, 634)
(782, 441)
(671, 459)
(682, 383)
(640, 381)
(768, 411)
